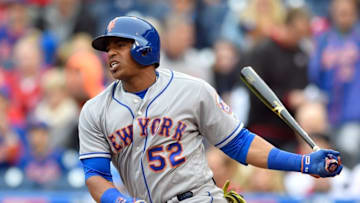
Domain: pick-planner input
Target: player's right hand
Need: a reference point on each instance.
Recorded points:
(322, 163)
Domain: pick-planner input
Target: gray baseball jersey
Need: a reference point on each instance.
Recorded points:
(156, 143)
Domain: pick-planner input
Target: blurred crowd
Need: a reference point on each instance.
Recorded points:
(307, 51)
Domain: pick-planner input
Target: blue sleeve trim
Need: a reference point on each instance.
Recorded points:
(237, 127)
(98, 166)
(239, 146)
(285, 161)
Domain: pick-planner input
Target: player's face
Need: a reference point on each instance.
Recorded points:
(120, 63)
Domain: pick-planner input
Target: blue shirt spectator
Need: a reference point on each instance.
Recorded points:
(42, 165)
(335, 69)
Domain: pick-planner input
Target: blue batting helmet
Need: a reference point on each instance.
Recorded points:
(146, 47)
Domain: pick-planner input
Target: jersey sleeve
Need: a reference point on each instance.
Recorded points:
(92, 140)
(217, 122)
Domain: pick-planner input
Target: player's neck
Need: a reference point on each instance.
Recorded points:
(140, 82)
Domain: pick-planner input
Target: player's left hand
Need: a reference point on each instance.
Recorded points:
(322, 163)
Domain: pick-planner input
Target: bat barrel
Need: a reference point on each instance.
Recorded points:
(269, 98)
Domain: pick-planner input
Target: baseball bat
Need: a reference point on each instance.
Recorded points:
(262, 91)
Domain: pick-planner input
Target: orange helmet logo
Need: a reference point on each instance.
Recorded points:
(111, 25)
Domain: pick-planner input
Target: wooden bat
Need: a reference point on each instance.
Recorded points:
(254, 82)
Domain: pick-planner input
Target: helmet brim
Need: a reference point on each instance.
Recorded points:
(100, 43)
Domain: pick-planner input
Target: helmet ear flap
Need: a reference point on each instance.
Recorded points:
(141, 50)
(145, 50)
(140, 53)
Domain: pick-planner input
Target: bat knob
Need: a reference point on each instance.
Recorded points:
(331, 164)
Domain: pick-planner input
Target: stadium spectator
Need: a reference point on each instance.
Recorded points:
(257, 20)
(84, 76)
(179, 53)
(78, 43)
(64, 18)
(14, 25)
(26, 76)
(11, 147)
(281, 56)
(57, 108)
(225, 67)
(335, 69)
(210, 15)
(42, 166)
(81, 43)
(14, 116)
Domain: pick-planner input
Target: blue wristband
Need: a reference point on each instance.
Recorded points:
(285, 161)
(112, 195)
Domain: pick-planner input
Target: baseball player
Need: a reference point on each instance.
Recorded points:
(151, 122)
